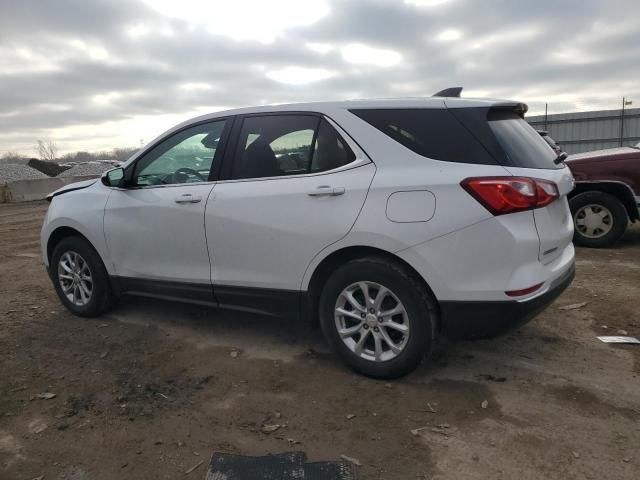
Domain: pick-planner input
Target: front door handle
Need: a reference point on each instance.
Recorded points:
(187, 198)
(326, 191)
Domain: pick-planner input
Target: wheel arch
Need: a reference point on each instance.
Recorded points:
(338, 257)
(60, 234)
(620, 190)
(65, 231)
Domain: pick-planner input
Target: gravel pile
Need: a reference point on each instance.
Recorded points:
(88, 169)
(10, 172)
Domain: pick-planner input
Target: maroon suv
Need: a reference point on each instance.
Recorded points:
(607, 194)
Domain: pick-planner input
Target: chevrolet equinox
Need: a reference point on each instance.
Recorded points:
(390, 221)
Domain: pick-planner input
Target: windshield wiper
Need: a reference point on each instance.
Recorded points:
(560, 158)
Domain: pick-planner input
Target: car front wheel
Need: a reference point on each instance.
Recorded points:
(378, 316)
(80, 279)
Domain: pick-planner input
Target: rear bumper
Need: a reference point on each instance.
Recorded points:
(478, 319)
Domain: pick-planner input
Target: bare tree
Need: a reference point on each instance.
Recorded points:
(10, 157)
(122, 154)
(47, 150)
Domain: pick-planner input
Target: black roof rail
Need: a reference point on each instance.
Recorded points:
(449, 92)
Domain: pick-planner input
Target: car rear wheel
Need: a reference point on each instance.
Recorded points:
(378, 317)
(80, 279)
(599, 219)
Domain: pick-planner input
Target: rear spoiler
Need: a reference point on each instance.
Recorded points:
(454, 92)
(516, 107)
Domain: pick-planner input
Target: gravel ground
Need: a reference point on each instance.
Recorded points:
(11, 172)
(87, 169)
(151, 389)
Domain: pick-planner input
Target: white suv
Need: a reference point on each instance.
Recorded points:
(392, 221)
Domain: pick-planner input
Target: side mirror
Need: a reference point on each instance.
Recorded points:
(113, 178)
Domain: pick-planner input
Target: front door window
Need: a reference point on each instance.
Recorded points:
(186, 157)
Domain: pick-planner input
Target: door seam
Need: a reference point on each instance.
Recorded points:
(206, 241)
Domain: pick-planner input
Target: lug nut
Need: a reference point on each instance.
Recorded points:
(362, 315)
(366, 327)
(376, 329)
(380, 319)
(371, 310)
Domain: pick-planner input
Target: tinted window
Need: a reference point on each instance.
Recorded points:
(293, 151)
(185, 157)
(552, 143)
(274, 145)
(432, 133)
(277, 145)
(331, 151)
(521, 143)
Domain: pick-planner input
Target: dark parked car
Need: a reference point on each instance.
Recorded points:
(550, 141)
(607, 194)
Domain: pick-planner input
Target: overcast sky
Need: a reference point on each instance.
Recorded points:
(98, 74)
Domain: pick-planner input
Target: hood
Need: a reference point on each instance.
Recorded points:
(71, 187)
(609, 153)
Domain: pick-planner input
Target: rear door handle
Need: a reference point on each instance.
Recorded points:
(326, 191)
(187, 198)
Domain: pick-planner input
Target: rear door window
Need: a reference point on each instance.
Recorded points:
(285, 144)
(330, 151)
(431, 132)
(523, 146)
(274, 145)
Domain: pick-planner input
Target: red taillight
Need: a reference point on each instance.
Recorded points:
(501, 195)
(547, 192)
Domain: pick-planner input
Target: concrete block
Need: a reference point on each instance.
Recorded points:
(36, 189)
(4, 193)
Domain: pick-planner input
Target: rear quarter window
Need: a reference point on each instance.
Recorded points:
(432, 133)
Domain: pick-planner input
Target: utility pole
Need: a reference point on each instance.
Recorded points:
(622, 122)
(546, 105)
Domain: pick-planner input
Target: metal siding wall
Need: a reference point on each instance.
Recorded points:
(586, 131)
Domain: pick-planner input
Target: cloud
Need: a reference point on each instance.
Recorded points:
(449, 35)
(105, 73)
(299, 75)
(367, 55)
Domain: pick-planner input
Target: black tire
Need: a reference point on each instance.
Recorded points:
(619, 218)
(418, 302)
(102, 298)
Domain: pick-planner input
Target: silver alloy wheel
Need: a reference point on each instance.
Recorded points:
(371, 321)
(593, 220)
(75, 278)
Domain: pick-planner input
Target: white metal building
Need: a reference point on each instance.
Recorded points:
(596, 130)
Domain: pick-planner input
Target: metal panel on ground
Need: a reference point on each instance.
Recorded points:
(283, 466)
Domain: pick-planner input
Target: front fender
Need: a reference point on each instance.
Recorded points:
(82, 211)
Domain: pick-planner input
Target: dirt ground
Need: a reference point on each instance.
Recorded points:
(154, 388)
